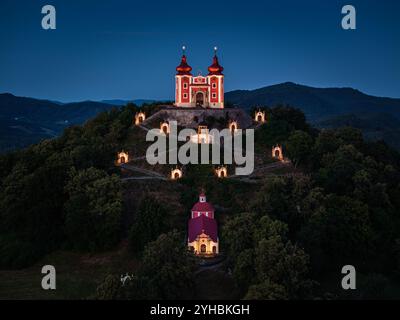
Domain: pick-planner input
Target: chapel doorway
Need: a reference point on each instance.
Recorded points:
(199, 99)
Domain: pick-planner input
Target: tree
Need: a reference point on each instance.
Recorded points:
(275, 132)
(169, 266)
(265, 264)
(293, 116)
(148, 225)
(30, 201)
(238, 234)
(266, 290)
(326, 142)
(338, 233)
(349, 135)
(109, 289)
(283, 198)
(299, 147)
(134, 288)
(93, 210)
(284, 264)
(243, 271)
(337, 170)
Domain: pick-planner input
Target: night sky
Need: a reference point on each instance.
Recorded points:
(129, 49)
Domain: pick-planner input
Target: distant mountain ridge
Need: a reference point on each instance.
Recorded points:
(24, 121)
(119, 102)
(46, 110)
(377, 117)
(317, 103)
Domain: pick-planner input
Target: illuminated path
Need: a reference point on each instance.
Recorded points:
(143, 178)
(269, 166)
(152, 174)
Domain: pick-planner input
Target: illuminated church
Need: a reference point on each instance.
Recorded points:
(203, 231)
(199, 91)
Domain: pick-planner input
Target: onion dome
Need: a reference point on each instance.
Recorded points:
(215, 68)
(183, 68)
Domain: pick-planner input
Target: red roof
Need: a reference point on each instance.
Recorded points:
(183, 68)
(215, 68)
(203, 207)
(203, 224)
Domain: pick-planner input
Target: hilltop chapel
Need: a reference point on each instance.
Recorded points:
(199, 91)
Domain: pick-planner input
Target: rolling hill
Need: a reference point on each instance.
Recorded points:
(119, 102)
(317, 103)
(24, 121)
(379, 126)
(377, 117)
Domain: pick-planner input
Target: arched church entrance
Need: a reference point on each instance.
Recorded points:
(199, 99)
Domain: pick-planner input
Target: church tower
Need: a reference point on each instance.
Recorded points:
(216, 81)
(199, 91)
(183, 79)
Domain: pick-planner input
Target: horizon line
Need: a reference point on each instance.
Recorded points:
(171, 99)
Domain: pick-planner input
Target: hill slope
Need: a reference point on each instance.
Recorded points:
(119, 102)
(317, 103)
(381, 126)
(26, 120)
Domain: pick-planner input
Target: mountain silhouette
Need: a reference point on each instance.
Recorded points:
(24, 121)
(317, 103)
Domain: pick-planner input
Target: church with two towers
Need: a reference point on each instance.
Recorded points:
(199, 91)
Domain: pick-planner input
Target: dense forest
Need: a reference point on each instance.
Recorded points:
(287, 237)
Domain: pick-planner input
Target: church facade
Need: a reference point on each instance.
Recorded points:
(199, 91)
(202, 230)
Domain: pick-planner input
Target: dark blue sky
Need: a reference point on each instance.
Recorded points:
(129, 49)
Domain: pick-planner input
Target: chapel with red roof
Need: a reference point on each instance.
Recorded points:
(199, 91)
(202, 229)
